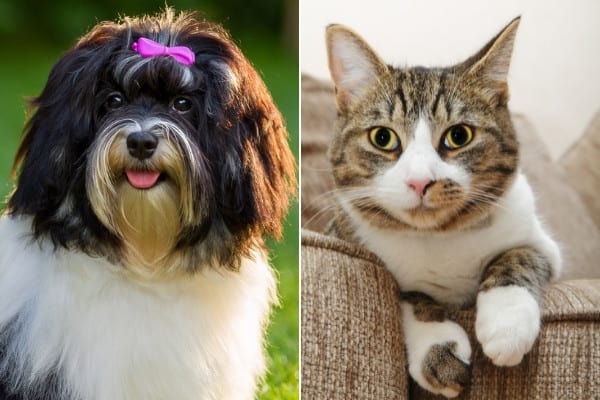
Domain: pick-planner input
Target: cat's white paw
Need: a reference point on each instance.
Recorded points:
(507, 323)
(439, 354)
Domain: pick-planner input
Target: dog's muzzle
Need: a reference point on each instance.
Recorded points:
(142, 145)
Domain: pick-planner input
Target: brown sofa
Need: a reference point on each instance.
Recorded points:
(352, 345)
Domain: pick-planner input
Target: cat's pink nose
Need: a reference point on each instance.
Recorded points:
(420, 186)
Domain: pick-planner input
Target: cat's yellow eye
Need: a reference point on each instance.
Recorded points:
(458, 136)
(384, 138)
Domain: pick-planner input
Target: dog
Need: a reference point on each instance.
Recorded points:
(132, 255)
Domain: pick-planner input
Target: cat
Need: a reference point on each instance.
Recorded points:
(426, 166)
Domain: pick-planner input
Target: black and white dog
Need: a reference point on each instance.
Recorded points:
(132, 264)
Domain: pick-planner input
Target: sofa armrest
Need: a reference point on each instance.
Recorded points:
(352, 342)
(352, 346)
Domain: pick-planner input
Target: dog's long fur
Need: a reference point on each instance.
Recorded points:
(108, 291)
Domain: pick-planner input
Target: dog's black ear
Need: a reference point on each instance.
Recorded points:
(258, 196)
(50, 161)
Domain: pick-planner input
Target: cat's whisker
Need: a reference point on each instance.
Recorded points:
(493, 198)
(326, 203)
(321, 214)
(307, 168)
(354, 193)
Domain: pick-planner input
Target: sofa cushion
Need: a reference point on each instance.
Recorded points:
(582, 167)
(558, 203)
(567, 218)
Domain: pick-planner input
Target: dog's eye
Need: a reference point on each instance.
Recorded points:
(182, 104)
(115, 100)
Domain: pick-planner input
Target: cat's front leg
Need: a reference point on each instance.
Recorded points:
(508, 311)
(439, 352)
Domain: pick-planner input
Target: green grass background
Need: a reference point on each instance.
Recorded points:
(32, 44)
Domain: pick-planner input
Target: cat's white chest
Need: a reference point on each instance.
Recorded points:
(448, 266)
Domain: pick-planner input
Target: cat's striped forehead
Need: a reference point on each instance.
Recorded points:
(409, 94)
(423, 91)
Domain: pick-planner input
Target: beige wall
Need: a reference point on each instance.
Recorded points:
(555, 72)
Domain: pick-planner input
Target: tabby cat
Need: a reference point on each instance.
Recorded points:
(426, 164)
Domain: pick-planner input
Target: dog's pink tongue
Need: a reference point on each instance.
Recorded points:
(142, 179)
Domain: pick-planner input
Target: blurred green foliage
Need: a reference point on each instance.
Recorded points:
(34, 34)
(60, 21)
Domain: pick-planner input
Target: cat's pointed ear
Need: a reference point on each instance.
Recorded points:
(354, 66)
(490, 65)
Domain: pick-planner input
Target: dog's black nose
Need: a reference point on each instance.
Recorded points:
(141, 145)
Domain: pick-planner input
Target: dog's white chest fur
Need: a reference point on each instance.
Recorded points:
(449, 266)
(115, 338)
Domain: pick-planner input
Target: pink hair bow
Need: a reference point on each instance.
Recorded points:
(149, 48)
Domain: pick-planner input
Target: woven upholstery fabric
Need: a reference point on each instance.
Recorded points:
(352, 337)
(559, 204)
(352, 346)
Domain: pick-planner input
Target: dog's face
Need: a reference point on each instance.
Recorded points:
(152, 163)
